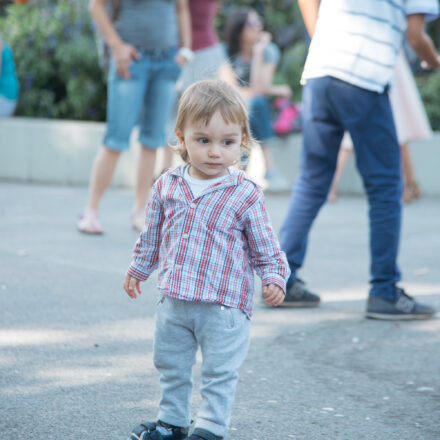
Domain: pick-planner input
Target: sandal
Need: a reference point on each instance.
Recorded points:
(411, 192)
(88, 223)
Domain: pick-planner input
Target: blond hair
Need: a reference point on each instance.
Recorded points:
(202, 99)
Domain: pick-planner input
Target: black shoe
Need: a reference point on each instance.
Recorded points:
(203, 434)
(403, 307)
(158, 431)
(297, 295)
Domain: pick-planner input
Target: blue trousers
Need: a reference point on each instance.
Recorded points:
(260, 118)
(331, 106)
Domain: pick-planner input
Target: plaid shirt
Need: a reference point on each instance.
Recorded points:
(206, 247)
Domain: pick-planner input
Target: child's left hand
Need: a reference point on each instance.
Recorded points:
(273, 294)
(131, 285)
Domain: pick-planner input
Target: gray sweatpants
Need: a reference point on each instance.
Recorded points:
(222, 333)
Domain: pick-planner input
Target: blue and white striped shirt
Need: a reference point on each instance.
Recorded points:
(357, 41)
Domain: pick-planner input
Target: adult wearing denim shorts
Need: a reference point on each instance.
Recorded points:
(346, 76)
(143, 38)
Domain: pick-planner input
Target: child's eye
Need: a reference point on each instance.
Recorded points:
(203, 140)
(228, 142)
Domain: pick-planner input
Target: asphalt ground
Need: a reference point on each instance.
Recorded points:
(75, 351)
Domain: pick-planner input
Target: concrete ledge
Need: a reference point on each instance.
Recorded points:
(55, 151)
(62, 153)
(425, 156)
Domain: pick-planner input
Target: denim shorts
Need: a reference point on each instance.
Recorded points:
(145, 99)
(260, 118)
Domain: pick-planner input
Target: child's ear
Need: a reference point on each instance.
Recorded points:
(180, 137)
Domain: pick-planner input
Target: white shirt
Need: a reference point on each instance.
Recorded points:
(198, 185)
(357, 41)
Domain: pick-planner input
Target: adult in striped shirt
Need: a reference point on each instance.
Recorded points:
(206, 230)
(347, 73)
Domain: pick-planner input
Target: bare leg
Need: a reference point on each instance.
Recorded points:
(408, 170)
(343, 157)
(411, 190)
(101, 176)
(145, 172)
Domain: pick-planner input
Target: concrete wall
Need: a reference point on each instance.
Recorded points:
(62, 152)
(425, 157)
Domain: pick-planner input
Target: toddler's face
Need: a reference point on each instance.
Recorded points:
(211, 148)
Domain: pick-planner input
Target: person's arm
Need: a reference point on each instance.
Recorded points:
(122, 53)
(421, 42)
(261, 73)
(226, 73)
(146, 251)
(265, 254)
(185, 38)
(309, 10)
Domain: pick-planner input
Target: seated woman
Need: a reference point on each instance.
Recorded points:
(254, 59)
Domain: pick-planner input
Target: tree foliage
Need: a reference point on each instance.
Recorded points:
(55, 53)
(56, 60)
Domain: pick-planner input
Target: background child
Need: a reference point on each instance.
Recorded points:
(206, 229)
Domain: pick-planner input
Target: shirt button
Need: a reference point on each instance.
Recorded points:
(185, 236)
(193, 206)
(178, 266)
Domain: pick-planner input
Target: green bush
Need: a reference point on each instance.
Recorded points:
(429, 87)
(291, 67)
(59, 74)
(56, 60)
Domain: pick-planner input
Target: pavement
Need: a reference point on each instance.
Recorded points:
(75, 351)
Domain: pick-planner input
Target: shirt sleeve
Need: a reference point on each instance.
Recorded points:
(429, 8)
(146, 251)
(266, 257)
(271, 54)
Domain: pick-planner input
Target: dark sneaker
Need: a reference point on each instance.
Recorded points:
(203, 434)
(403, 307)
(158, 431)
(299, 296)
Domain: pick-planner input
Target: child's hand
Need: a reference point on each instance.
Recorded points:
(273, 294)
(131, 285)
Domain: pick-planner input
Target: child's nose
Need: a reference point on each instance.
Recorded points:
(214, 151)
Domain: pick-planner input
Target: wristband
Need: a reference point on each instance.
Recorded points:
(186, 52)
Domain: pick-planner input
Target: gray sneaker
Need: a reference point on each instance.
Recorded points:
(403, 307)
(299, 296)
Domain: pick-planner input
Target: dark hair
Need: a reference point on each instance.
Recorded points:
(234, 26)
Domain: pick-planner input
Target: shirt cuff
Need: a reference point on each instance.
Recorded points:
(134, 272)
(275, 279)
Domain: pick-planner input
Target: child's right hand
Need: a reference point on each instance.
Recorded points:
(131, 285)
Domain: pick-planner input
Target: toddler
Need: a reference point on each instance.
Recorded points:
(206, 230)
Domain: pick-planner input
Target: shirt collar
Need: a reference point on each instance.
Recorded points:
(235, 177)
